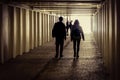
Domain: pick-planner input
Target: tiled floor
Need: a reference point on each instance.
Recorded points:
(39, 64)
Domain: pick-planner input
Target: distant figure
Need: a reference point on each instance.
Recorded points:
(59, 32)
(67, 26)
(76, 33)
(70, 25)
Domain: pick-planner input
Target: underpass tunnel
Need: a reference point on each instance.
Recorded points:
(26, 25)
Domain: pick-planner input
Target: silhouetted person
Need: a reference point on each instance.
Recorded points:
(70, 25)
(59, 32)
(76, 34)
(67, 26)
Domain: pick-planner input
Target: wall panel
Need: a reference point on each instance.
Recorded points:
(0, 32)
(48, 26)
(117, 38)
(45, 29)
(21, 31)
(17, 31)
(40, 29)
(14, 34)
(35, 28)
(27, 30)
(43, 32)
(24, 29)
(10, 28)
(30, 30)
(4, 34)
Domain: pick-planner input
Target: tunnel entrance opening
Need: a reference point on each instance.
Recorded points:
(85, 22)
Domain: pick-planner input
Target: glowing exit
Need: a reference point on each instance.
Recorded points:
(85, 22)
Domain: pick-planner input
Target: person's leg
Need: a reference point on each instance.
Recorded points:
(61, 47)
(78, 47)
(74, 47)
(67, 31)
(57, 48)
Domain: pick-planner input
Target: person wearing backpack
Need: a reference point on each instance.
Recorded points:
(76, 35)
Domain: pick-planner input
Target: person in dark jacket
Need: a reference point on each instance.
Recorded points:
(70, 25)
(76, 34)
(59, 33)
(67, 26)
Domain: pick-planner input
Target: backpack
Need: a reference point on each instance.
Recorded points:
(76, 32)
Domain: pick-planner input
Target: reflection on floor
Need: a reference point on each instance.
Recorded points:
(39, 64)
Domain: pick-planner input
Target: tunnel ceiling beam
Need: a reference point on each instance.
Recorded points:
(60, 6)
(72, 1)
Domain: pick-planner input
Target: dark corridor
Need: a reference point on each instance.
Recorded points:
(27, 47)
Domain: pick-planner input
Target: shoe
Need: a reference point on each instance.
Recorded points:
(77, 56)
(74, 56)
(61, 55)
(56, 56)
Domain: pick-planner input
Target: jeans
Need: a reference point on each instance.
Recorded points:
(59, 47)
(76, 47)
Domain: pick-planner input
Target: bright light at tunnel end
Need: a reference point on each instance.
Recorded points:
(85, 22)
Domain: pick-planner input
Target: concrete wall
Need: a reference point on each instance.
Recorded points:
(107, 33)
(0, 32)
(22, 29)
(117, 39)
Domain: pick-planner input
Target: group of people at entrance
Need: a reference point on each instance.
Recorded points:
(59, 33)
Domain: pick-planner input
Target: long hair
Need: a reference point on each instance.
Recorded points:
(76, 22)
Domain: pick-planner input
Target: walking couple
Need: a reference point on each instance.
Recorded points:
(59, 32)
